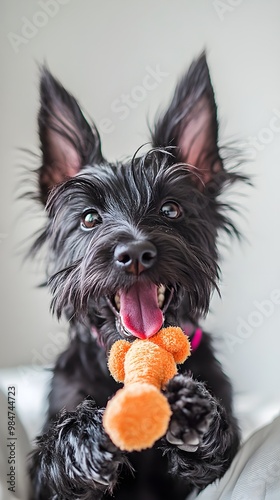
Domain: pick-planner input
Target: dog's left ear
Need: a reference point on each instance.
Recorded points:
(68, 141)
(190, 124)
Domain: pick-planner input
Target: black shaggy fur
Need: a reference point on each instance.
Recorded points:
(116, 227)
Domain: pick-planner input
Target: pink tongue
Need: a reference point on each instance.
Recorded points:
(139, 310)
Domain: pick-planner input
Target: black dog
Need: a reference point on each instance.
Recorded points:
(132, 246)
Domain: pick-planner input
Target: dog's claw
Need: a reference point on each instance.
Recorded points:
(173, 439)
(188, 447)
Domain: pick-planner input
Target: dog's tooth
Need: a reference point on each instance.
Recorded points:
(161, 295)
(117, 301)
(160, 299)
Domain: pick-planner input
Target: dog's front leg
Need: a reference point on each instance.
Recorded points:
(75, 458)
(202, 438)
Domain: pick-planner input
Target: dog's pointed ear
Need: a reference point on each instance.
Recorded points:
(68, 141)
(190, 124)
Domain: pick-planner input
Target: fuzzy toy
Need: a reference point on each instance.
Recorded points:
(139, 413)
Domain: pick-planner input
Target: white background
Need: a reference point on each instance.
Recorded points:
(100, 50)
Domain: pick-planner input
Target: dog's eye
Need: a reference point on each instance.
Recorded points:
(171, 210)
(90, 219)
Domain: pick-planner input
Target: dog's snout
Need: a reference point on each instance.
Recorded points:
(135, 257)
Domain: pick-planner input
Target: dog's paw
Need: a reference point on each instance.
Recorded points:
(193, 409)
(76, 455)
(86, 447)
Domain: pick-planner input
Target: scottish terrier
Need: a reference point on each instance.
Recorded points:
(132, 246)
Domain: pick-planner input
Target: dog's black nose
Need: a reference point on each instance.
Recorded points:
(136, 256)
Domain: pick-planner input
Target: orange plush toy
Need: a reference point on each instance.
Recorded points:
(139, 413)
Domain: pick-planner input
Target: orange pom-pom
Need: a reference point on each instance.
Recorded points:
(136, 417)
(174, 340)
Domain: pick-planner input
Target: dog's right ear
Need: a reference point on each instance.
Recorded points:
(68, 141)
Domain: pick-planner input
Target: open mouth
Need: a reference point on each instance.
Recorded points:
(140, 310)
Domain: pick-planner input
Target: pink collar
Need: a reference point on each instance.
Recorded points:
(196, 339)
(194, 334)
